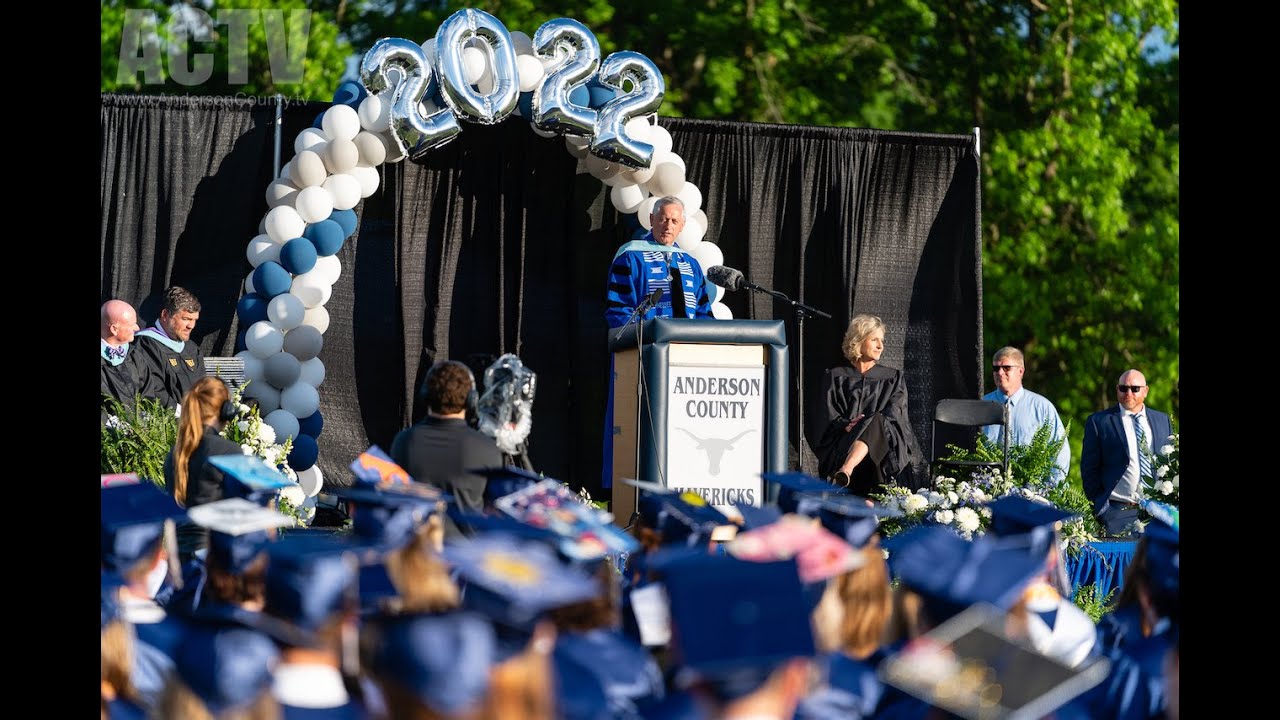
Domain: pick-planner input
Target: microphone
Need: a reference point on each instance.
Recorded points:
(655, 296)
(727, 277)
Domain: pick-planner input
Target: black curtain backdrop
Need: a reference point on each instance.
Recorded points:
(500, 242)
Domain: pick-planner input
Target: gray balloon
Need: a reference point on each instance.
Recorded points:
(466, 102)
(282, 369)
(552, 110)
(303, 342)
(611, 141)
(415, 134)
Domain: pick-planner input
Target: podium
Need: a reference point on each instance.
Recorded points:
(712, 399)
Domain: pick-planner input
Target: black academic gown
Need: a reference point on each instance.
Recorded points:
(846, 394)
(168, 374)
(121, 382)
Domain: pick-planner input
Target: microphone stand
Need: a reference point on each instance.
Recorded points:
(801, 312)
(649, 301)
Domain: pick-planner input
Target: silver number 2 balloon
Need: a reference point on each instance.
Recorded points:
(611, 141)
(552, 110)
(415, 134)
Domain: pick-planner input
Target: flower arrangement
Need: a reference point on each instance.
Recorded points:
(1163, 486)
(256, 437)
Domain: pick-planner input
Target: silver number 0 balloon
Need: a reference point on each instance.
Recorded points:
(611, 141)
(466, 102)
(414, 134)
(552, 110)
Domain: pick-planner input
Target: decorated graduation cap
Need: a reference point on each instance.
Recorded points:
(734, 622)
(503, 481)
(389, 505)
(249, 477)
(514, 582)
(796, 489)
(851, 518)
(951, 573)
(442, 659)
(239, 531)
(1018, 515)
(688, 519)
(652, 497)
(135, 518)
(311, 579)
(820, 554)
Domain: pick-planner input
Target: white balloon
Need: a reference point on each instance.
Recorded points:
(708, 254)
(344, 190)
(668, 177)
(691, 236)
(261, 249)
(308, 168)
(715, 291)
(262, 224)
(311, 289)
(328, 269)
(248, 283)
(268, 397)
(639, 128)
(627, 198)
(640, 176)
(375, 113)
(285, 311)
(646, 210)
(521, 43)
(660, 139)
(601, 168)
(312, 371)
(284, 223)
(317, 317)
(307, 139)
(285, 174)
(577, 147)
(368, 179)
(691, 196)
(701, 215)
(264, 339)
(531, 72)
(300, 399)
(372, 152)
(429, 47)
(340, 122)
(314, 204)
(303, 342)
(311, 481)
(283, 422)
(720, 311)
(280, 192)
(253, 368)
(474, 63)
(340, 156)
(393, 152)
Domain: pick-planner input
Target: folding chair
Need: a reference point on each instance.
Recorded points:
(972, 414)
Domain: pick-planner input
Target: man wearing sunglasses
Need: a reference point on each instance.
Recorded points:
(1028, 411)
(1118, 446)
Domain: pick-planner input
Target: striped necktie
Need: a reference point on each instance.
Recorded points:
(1144, 454)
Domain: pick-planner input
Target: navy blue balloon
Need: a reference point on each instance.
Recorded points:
(311, 425)
(599, 94)
(241, 344)
(271, 279)
(251, 308)
(304, 452)
(526, 105)
(318, 122)
(297, 256)
(350, 93)
(580, 96)
(326, 236)
(346, 219)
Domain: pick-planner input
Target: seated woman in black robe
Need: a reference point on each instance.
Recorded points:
(861, 413)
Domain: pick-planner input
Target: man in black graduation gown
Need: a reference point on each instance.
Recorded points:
(120, 370)
(167, 356)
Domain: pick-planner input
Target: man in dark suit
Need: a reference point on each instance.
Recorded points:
(442, 449)
(1111, 464)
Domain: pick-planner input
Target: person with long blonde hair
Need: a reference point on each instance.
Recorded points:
(189, 477)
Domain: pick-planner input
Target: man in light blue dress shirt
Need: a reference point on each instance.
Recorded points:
(1027, 410)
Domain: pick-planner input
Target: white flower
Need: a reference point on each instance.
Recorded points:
(914, 503)
(243, 425)
(1165, 487)
(246, 449)
(953, 498)
(1175, 481)
(267, 434)
(1166, 449)
(244, 409)
(177, 410)
(967, 519)
(944, 516)
(1162, 470)
(114, 422)
(293, 494)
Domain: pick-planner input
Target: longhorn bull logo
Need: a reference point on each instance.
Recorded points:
(715, 448)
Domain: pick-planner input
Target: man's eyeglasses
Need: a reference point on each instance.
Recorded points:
(1135, 389)
(1006, 368)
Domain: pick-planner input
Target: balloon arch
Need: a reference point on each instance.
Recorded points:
(411, 99)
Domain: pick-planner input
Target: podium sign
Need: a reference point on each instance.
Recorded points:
(701, 405)
(715, 425)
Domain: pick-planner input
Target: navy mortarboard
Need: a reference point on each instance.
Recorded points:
(311, 579)
(734, 622)
(134, 519)
(240, 531)
(503, 481)
(793, 487)
(1163, 560)
(226, 664)
(388, 516)
(757, 517)
(441, 660)
(249, 477)
(1017, 515)
(852, 518)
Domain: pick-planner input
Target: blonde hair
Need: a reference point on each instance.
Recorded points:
(201, 407)
(521, 688)
(178, 701)
(860, 328)
(117, 658)
(866, 598)
(420, 577)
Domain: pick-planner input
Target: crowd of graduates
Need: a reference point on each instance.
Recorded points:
(787, 611)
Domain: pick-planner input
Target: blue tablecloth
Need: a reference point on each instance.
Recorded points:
(1101, 564)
